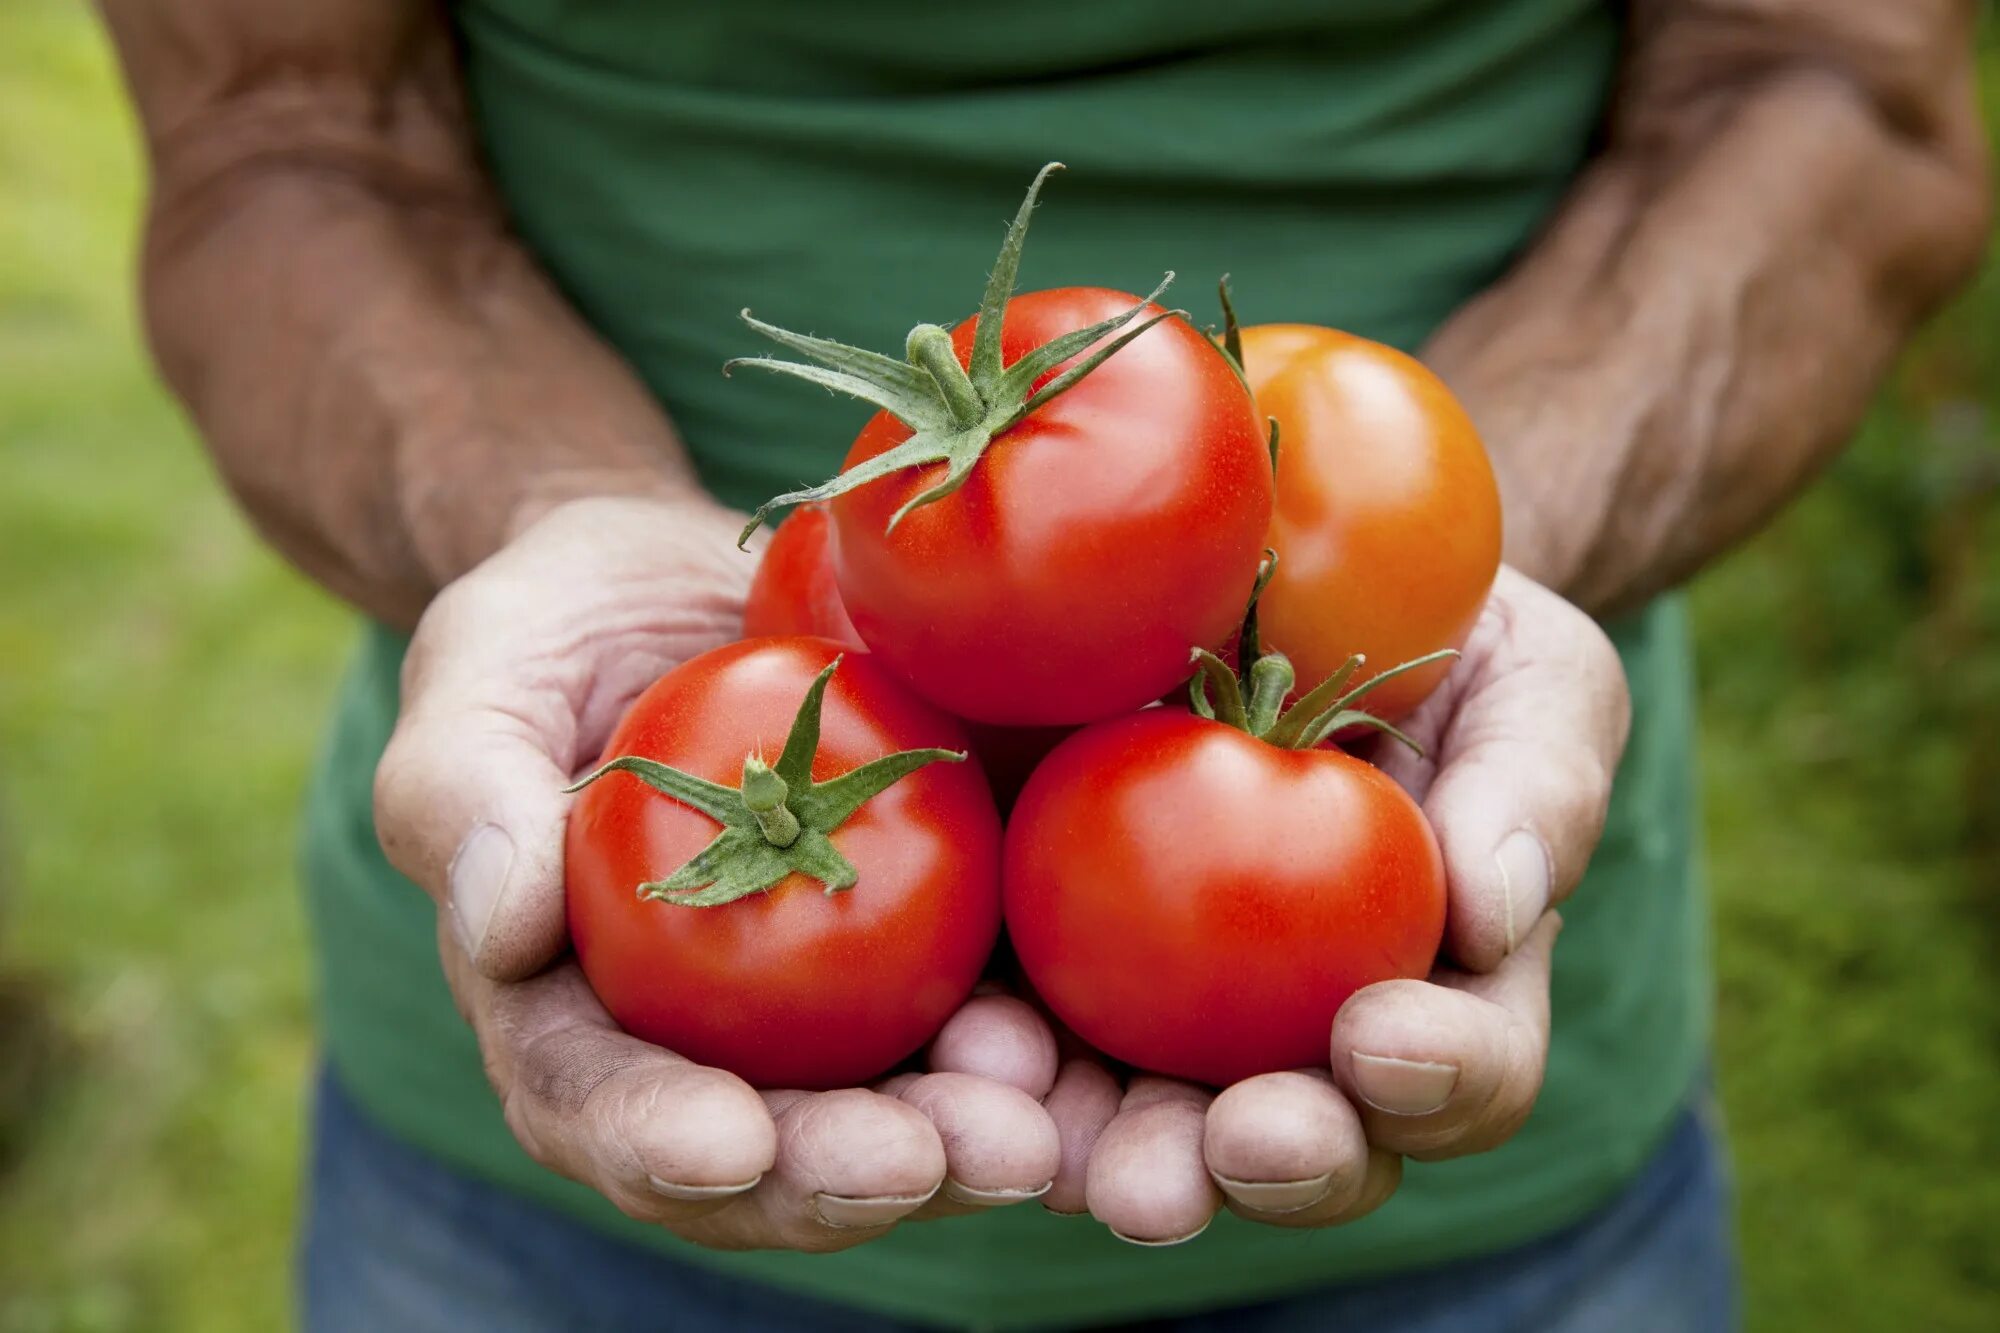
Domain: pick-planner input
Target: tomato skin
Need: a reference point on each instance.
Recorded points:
(1387, 518)
(794, 593)
(1196, 902)
(792, 987)
(1095, 543)
(793, 590)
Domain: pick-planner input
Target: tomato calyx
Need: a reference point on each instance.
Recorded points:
(776, 823)
(1252, 697)
(954, 412)
(1230, 342)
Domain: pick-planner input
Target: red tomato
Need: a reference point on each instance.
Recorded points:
(1096, 541)
(1052, 503)
(792, 987)
(1197, 902)
(794, 593)
(1387, 519)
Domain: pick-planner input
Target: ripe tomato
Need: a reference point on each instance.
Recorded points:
(1126, 514)
(1387, 518)
(788, 986)
(794, 593)
(1065, 471)
(1197, 902)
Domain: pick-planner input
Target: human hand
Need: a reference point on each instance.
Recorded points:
(514, 679)
(1520, 742)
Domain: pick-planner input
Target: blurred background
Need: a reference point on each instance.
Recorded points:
(163, 681)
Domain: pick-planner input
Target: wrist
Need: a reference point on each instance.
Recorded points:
(1563, 413)
(614, 492)
(693, 520)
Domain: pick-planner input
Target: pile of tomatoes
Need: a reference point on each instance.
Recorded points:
(1149, 580)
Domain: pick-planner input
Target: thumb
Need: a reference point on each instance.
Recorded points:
(1525, 769)
(469, 802)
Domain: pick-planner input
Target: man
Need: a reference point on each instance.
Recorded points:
(446, 294)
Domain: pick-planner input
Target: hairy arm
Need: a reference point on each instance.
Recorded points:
(1786, 189)
(396, 394)
(384, 378)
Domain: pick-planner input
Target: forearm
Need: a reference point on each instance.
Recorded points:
(388, 390)
(382, 375)
(1779, 202)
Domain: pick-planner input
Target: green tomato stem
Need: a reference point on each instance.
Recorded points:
(1252, 698)
(954, 412)
(929, 348)
(764, 794)
(778, 822)
(1270, 679)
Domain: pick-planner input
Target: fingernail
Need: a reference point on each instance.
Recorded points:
(1523, 859)
(848, 1213)
(477, 879)
(1276, 1196)
(699, 1193)
(1403, 1087)
(1160, 1244)
(992, 1198)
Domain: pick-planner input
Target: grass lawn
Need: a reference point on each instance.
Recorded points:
(162, 681)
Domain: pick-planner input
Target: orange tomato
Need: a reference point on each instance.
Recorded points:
(1387, 518)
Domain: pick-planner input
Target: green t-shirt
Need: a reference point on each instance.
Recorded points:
(847, 167)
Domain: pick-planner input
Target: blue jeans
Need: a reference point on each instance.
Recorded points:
(396, 1242)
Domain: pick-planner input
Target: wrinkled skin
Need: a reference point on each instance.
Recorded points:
(521, 669)
(1859, 119)
(1387, 521)
(517, 674)
(1128, 513)
(1521, 741)
(792, 987)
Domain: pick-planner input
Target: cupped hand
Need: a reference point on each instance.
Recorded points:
(513, 681)
(1520, 744)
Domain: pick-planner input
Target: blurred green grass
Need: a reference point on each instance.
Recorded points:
(162, 681)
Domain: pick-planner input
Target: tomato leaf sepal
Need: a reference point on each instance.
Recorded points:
(1252, 697)
(778, 822)
(1230, 341)
(953, 411)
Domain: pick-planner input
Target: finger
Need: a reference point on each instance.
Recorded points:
(1082, 1102)
(1147, 1180)
(515, 676)
(1368, 1189)
(1000, 1146)
(1285, 1143)
(998, 1037)
(468, 796)
(1524, 768)
(1442, 1070)
(664, 1139)
(850, 1165)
